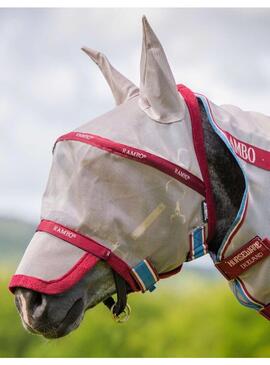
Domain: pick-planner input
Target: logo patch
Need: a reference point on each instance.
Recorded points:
(244, 258)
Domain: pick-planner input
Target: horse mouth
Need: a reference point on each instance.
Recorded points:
(69, 323)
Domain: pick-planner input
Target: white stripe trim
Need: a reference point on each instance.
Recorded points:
(248, 295)
(204, 246)
(151, 270)
(139, 279)
(193, 246)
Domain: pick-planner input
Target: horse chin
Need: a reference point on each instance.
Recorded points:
(71, 321)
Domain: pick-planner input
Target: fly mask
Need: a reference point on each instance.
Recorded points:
(130, 187)
(144, 211)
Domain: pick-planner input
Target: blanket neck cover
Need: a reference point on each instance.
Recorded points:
(132, 188)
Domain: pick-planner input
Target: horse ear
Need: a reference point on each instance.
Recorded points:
(159, 98)
(121, 87)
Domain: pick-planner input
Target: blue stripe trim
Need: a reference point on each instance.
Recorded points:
(243, 202)
(198, 242)
(242, 297)
(145, 275)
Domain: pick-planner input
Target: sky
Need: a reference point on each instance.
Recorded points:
(48, 86)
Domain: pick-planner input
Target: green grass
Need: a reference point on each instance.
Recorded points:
(188, 316)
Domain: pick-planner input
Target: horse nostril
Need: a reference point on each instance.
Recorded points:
(30, 304)
(35, 300)
(18, 302)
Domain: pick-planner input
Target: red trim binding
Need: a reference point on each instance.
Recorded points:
(153, 268)
(235, 229)
(132, 153)
(198, 141)
(265, 312)
(75, 238)
(89, 245)
(244, 258)
(171, 272)
(59, 285)
(249, 153)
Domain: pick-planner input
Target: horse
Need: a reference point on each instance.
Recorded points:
(135, 193)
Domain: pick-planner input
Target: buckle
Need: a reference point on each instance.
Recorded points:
(123, 316)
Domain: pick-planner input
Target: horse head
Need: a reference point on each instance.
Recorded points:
(100, 191)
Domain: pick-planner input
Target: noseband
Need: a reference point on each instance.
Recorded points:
(120, 309)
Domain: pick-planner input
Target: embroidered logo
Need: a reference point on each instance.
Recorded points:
(181, 173)
(64, 232)
(130, 152)
(246, 152)
(84, 136)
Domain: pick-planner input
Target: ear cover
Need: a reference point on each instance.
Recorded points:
(122, 88)
(159, 97)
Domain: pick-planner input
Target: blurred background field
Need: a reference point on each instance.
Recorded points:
(192, 314)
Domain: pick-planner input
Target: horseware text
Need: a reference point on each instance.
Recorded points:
(243, 255)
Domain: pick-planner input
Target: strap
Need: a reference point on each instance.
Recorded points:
(89, 245)
(145, 275)
(141, 156)
(199, 146)
(197, 240)
(121, 290)
(142, 276)
(244, 258)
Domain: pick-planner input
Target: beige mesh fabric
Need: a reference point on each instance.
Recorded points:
(135, 210)
(48, 258)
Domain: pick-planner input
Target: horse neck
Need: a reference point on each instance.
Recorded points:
(227, 181)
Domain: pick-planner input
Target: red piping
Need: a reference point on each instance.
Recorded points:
(61, 284)
(89, 245)
(132, 153)
(198, 141)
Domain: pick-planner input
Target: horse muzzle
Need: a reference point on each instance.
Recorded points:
(39, 318)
